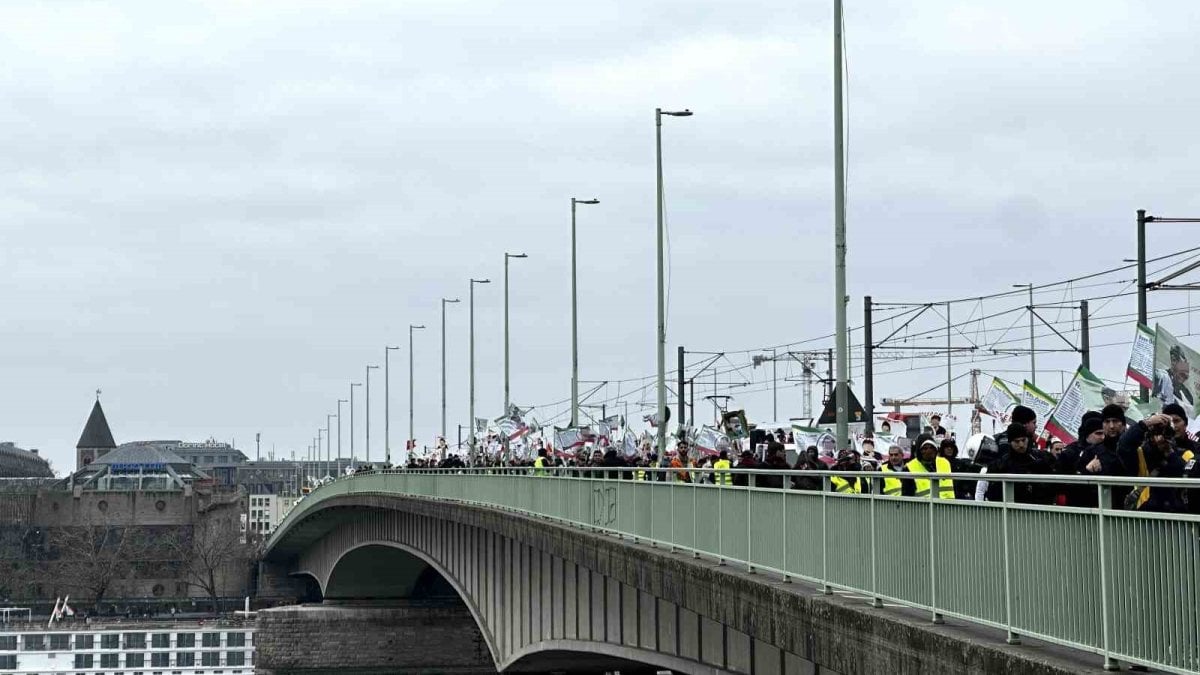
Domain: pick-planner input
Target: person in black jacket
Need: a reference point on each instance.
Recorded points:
(775, 460)
(1151, 445)
(746, 461)
(1024, 417)
(1021, 459)
(1179, 423)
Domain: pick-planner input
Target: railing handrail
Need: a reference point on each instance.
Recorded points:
(970, 476)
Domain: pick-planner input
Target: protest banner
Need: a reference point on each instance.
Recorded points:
(1038, 401)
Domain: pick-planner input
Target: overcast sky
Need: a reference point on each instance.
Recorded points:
(220, 213)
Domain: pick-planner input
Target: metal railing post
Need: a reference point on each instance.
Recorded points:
(695, 524)
(720, 528)
(1109, 662)
(825, 536)
(934, 486)
(749, 536)
(1012, 638)
(875, 601)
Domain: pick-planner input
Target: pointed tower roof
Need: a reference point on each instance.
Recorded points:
(96, 433)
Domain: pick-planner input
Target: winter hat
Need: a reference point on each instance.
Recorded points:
(1092, 414)
(1023, 415)
(1016, 430)
(1112, 411)
(1174, 409)
(1089, 427)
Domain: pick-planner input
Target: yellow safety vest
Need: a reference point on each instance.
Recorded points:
(842, 485)
(640, 474)
(539, 466)
(945, 485)
(891, 486)
(722, 474)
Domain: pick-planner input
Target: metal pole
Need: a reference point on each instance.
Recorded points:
(574, 329)
(1032, 348)
(387, 409)
(367, 405)
(842, 395)
(1085, 341)
(680, 375)
(949, 378)
(328, 444)
(868, 369)
(258, 447)
(661, 333)
(692, 401)
(506, 378)
(412, 434)
(353, 460)
(471, 421)
(339, 416)
(1141, 281)
(444, 301)
(774, 385)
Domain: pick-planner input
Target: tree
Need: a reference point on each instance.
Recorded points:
(213, 544)
(90, 558)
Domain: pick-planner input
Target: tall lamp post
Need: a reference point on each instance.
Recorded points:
(444, 302)
(661, 338)
(367, 406)
(575, 318)
(471, 436)
(507, 255)
(353, 461)
(841, 341)
(329, 445)
(387, 410)
(411, 434)
(338, 466)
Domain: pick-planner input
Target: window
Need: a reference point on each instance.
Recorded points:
(210, 658)
(185, 659)
(235, 659)
(8, 662)
(235, 639)
(85, 641)
(83, 660)
(160, 640)
(8, 643)
(211, 639)
(110, 641)
(185, 640)
(33, 643)
(137, 660)
(110, 660)
(160, 659)
(135, 641)
(60, 642)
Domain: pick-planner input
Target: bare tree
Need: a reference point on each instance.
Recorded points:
(213, 545)
(91, 558)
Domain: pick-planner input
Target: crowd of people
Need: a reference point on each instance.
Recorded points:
(1107, 445)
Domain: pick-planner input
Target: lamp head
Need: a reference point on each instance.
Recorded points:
(412, 326)
(678, 113)
(481, 281)
(515, 255)
(587, 201)
(449, 300)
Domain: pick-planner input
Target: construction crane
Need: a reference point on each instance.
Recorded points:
(972, 400)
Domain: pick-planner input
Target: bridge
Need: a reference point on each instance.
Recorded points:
(502, 570)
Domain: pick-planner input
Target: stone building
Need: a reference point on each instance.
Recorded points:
(20, 463)
(133, 525)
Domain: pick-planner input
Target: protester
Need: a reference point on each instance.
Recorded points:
(808, 461)
(935, 426)
(746, 461)
(894, 487)
(1151, 444)
(928, 460)
(721, 469)
(775, 460)
(847, 461)
(1020, 459)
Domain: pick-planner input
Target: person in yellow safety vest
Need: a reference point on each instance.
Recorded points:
(540, 464)
(894, 487)
(721, 469)
(930, 461)
(847, 461)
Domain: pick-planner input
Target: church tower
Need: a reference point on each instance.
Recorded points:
(96, 439)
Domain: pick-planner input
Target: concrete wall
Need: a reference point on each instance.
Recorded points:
(396, 639)
(544, 594)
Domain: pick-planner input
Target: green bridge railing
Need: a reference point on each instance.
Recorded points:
(1122, 584)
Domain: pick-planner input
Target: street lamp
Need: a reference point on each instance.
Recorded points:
(661, 338)
(329, 443)
(367, 405)
(507, 255)
(353, 461)
(575, 318)
(387, 410)
(411, 434)
(1032, 354)
(471, 437)
(338, 466)
(444, 301)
